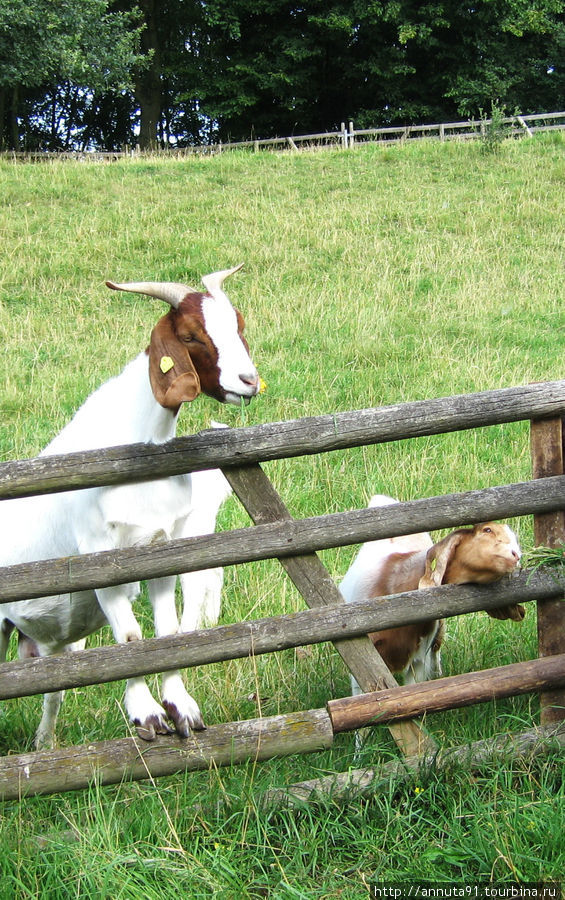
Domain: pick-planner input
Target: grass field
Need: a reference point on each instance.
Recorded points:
(372, 276)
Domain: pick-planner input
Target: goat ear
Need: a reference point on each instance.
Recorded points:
(174, 380)
(514, 611)
(440, 554)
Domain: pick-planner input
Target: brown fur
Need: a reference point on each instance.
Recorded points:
(478, 555)
(397, 646)
(179, 384)
(181, 336)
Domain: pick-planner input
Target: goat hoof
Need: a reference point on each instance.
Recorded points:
(184, 723)
(152, 726)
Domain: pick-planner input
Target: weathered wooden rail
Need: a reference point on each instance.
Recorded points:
(245, 639)
(294, 542)
(346, 137)
(281, 440)
(269, 540)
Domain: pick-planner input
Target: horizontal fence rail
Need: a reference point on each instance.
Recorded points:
(453, 692)
(346, 137)
(246, 639)
(281, 440)
(291, 537)
(112, 762)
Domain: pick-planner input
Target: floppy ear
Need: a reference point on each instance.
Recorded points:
(441, 553)
(515, 612)
(174, 379)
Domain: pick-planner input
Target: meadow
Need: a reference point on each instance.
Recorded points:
(372, 276)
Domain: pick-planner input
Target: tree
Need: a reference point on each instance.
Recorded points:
(45, 46)
(462, 57)
(276, 66)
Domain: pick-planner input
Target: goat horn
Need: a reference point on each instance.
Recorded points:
(169, 291)
(216, 279)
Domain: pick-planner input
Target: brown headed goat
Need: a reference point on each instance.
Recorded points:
(479, 555)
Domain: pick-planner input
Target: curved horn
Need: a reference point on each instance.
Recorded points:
(216, 279)
(169, 291)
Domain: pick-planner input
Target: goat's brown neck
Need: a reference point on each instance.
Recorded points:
(459, 573)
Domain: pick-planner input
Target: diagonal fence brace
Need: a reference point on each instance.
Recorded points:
(312, 579)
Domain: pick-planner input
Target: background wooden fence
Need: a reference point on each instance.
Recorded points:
(294, 542)
(347, 136)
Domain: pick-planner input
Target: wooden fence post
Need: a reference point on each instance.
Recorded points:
(547, 450)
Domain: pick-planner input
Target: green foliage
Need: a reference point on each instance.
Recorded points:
(546, 556)
(377, 63)
(232, 69)
(372, 277)
(77, 40)
(501, 50)
(493, 129)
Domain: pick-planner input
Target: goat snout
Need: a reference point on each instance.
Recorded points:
(251, 384)
(247, 387)
(511, 558)
(251, 380)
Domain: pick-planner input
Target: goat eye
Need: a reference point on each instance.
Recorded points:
(487, 530)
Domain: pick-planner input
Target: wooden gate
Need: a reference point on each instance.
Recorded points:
(276, 534)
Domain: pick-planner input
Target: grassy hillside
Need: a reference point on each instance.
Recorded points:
(372, 276)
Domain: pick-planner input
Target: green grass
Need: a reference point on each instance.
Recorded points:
(372, 277)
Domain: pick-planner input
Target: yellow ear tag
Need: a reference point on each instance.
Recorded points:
(166, 364)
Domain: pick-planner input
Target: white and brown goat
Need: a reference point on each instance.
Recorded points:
(198, 346)
(481, 555)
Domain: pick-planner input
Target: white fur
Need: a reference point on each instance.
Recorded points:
(122, 411)
(220, 323)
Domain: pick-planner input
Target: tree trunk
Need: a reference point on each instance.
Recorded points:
(148, 82)
(14, 132)
(2, 115)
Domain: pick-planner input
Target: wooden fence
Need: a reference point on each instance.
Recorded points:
(275, 534)
(346, 137)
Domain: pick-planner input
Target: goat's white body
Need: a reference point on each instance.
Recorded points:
(100, 518)
(121, 411)
(124, 410)
(96, 519)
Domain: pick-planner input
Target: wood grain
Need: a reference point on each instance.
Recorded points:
(110, 762)
(98, 665)
(278, 539)
(547, 451)
(281, 440)
(382, 707)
